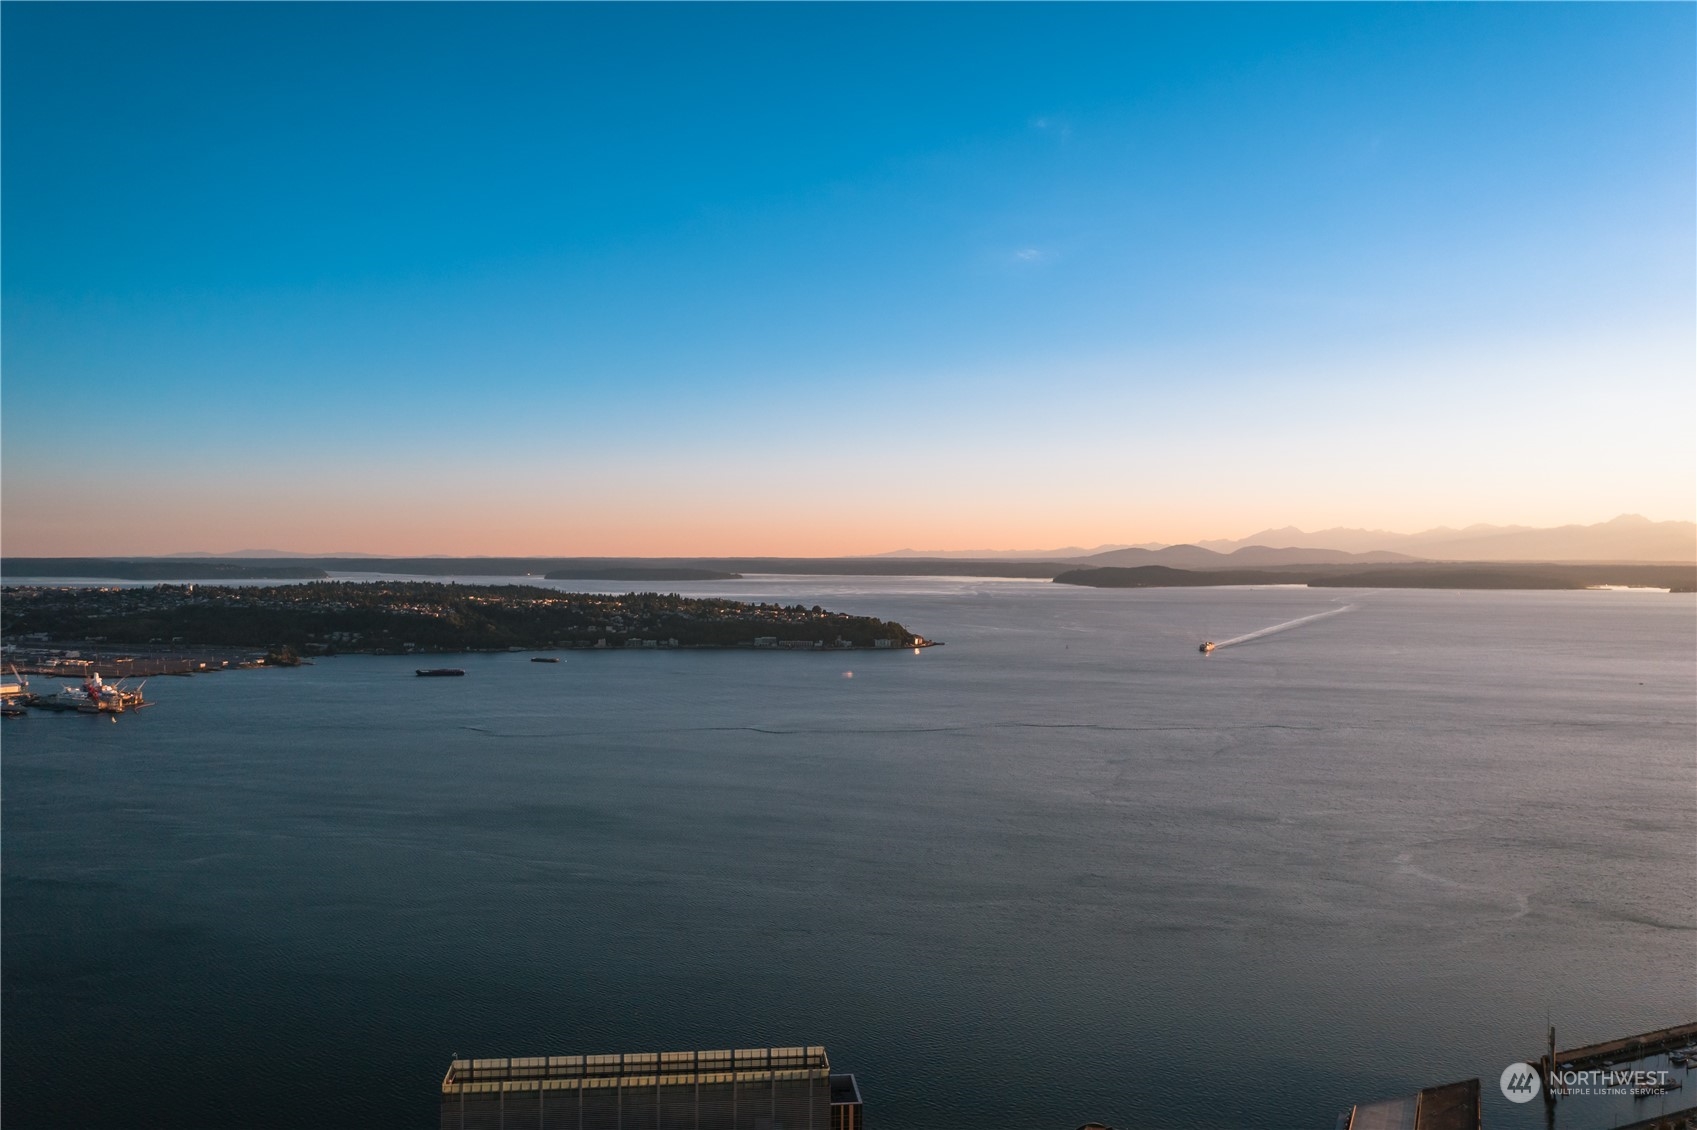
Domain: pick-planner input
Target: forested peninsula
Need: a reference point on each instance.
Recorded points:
(325, 617)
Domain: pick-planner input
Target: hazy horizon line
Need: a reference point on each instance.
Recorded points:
(1482, 528)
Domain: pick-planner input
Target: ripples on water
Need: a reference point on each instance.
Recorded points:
(1061, 869)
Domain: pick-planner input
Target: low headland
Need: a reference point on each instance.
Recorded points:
(638, 573)
(158, 569)
(285, 622)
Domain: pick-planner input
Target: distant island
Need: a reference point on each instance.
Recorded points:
(1166, 577)
(1433, 575)
(638, 573)
(327, 617)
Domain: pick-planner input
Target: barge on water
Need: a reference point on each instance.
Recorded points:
(438, 672)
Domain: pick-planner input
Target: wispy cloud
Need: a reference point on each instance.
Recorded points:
(1055, 127)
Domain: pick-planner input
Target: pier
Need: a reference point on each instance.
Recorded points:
(1678, 1120)
(1609, 1053)
(137, 664)
(1627, 1049)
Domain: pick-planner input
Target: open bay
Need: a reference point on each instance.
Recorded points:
(1063, 868)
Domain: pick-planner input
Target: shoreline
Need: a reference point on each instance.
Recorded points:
(132, 664)
(173, 629)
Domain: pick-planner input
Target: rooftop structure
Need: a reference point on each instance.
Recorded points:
(845, 1103)
(1453, 1106)
(746, 1089)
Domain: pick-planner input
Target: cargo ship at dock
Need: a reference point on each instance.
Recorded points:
(95, 696)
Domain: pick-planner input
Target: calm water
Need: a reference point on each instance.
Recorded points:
(1062, 869)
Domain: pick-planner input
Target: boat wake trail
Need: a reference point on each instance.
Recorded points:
(1405, 865)
(1286, 626)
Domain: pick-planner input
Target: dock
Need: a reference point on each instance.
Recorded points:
(1678, 1120)
(137, 666)
(1627, 1049)
(1608, 1053)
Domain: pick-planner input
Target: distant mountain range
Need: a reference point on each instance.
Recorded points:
(1195, 557)
(1065, 553)
(1630, 537)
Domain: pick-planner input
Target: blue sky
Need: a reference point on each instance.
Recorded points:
(819, 278)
